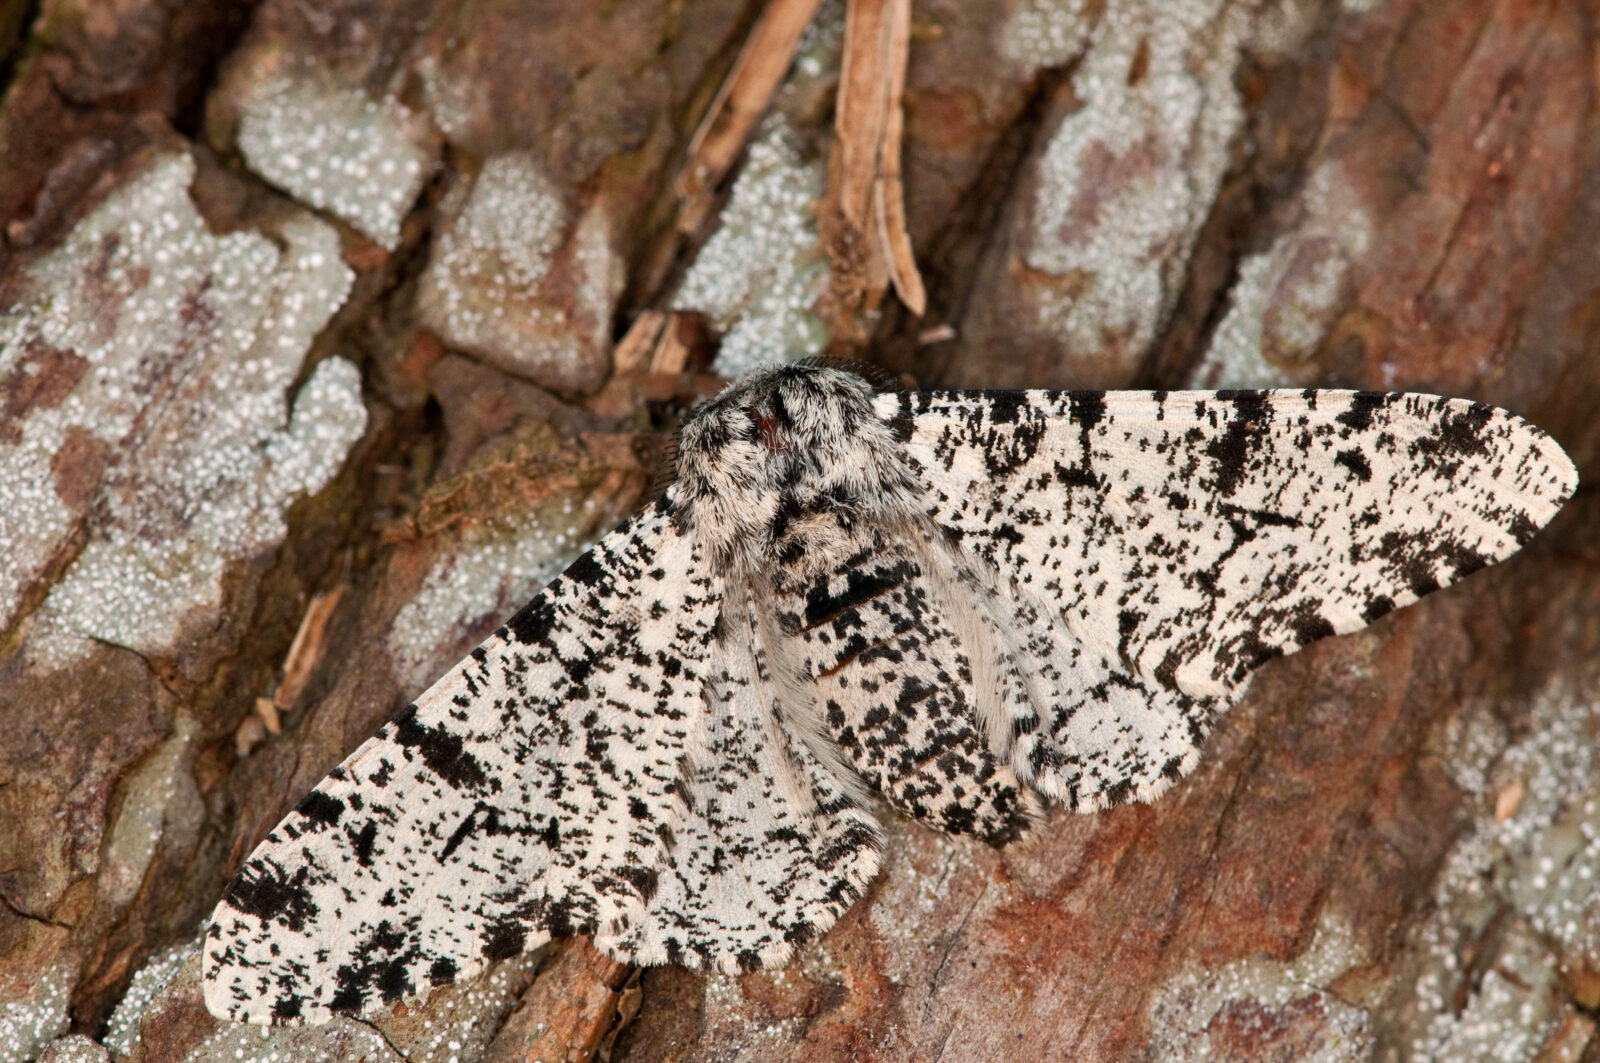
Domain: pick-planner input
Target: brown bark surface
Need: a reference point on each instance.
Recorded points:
(307, 317)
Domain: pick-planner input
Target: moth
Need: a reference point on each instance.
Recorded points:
(964, 605)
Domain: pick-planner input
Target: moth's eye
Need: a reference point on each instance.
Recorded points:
(768, 430)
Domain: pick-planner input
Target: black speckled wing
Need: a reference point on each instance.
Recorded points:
(881, 640)
(607, 763)
(1150, 548)
(964, 601)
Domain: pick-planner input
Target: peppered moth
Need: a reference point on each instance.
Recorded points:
(966, 603)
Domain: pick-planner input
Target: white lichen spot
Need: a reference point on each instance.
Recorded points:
(491, 574)
(186, 344)
(337, 149)
(1046, 33)
(731, 1024)
(457, 1023)
(817, 56)
(1553, 839)
(482, 289)
(1288, 298)
(460, 1021)
(336, 1042)
(122, 1032)
(26, 1026)
(1509, 1014)
(455, 103)
(1247, 994)
(1127, 180)
(759, 275)
(1468, 746)
(1531, 873)
(74, 1048)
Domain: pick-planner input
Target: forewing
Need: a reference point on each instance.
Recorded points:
(515, 800)
(608, 763)
(1184, 538)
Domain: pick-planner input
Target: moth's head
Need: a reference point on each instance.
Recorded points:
(783, 450)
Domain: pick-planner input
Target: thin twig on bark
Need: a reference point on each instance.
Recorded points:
(864, 221)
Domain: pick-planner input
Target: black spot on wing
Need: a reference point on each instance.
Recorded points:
(1079, 476)
(1456, 436)
(442, 971)
(444, 752)
(1464, 559)
(1086, 408)
(263, 890)
(321, 809)
(1462, 432)
(902, 424)
(347, 1000)
(1409, 560)
(286, 1009)
(1309, 625)
(800, 934)
(587, 570)
(1119, 792)
(642, 879)
(1003, 407)
(1382, 605)
(1363, 404)
(1523, 529)
(1233, 450)
(503, 941)
(532, 623)
(1356, 462)
(362, 841)
(1006, 452)
(380, 967)
(486, 820)
(1250, 652)
(860, 586)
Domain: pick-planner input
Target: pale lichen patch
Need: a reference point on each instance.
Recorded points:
(1046, 33)
(161, 797)
(1128, 178)
(190, 342)
(459, 1021)
(1515, 898)
(454, 1026)
(27, 1025)
(492, 573)
(920, 874)
(1210, 1014)
(734, 1023)
(337, 149)
(487, 288)
(74, 1048)
(760, 274)
(1289, 297)
(122, 1032)
(1551, 842)
(817, 56)
(337, 1042)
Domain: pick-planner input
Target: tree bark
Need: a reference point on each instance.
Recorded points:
(307, 316)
